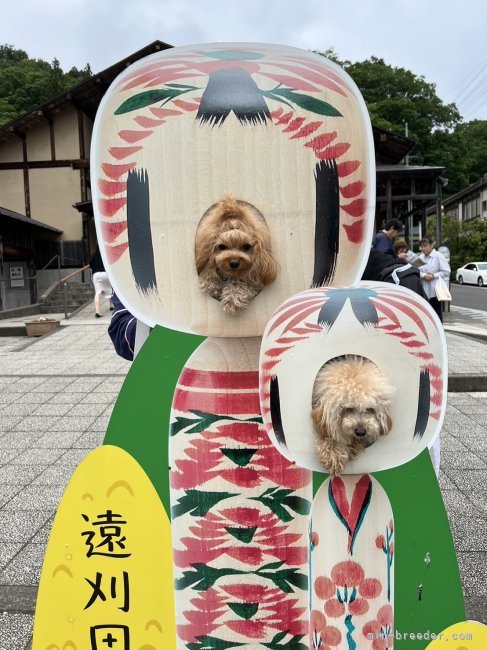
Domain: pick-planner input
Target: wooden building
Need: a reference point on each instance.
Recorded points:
(45, 199)
(469, 203)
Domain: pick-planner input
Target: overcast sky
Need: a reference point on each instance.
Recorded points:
(442, 40)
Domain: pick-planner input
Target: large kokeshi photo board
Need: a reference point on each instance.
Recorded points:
(281, 129)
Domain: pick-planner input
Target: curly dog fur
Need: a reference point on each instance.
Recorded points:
(350, 410)
(233, 254)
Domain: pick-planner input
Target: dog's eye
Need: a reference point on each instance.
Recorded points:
(246, 247)
(371, 410)
(347, 410)
(222, 247)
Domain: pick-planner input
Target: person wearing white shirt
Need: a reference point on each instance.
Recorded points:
(435, 267)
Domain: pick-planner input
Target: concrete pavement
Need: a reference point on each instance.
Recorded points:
(56, 397)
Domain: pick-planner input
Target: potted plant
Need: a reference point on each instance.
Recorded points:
(41, 326)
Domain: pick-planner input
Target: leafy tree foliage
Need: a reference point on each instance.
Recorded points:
(396, 96)
(26, 83)
(467, 241)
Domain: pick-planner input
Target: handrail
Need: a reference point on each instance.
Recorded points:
(34, 277)
(52, 260)
(71, 275)
(65, 282)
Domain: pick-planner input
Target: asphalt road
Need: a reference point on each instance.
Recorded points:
(467, 295)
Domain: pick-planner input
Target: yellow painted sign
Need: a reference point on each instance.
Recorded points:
(467, 635)
(107, 580)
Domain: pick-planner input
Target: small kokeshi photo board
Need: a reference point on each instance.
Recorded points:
(282, 130)
(390, 326)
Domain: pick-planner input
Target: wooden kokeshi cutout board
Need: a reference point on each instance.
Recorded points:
(239, 508)
(351, 564)
(387, 324)
(280, 128)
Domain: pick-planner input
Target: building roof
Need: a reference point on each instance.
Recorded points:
(86, 95)
(16, 218)
(390, 148)
(417, 170)
(474, 187)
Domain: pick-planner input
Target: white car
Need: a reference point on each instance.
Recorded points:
(472, 273)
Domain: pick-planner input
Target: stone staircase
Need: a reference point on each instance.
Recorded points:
(79, 293)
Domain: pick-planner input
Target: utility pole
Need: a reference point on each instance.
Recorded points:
(410, 227)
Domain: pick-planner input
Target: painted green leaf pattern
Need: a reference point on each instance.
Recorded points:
(240, 457)
(198, 503)
(285, 579)
(148, 97)
(185, 86)
(212, 643)
(244, 535)
(244, 610)
(312, 104)
(292, 644)
(298, 504)
(202, 577)
(276, 499)
(204, 421)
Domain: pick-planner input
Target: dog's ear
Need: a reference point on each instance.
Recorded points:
(264, 267)
(386, 423)
(318, 420)
(203, 251)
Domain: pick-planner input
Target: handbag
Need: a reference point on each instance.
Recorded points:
(441, 289)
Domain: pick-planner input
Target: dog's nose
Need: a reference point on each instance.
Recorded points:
(234, 264)
(360, 431)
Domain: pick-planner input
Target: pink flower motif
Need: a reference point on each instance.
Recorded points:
(331, 636)
(334, 608)
(385, 615)
(324, 587)
(358, 607)
(347, 593)
(318, 621)
(370, 588)
(348, 573)
(379, 631)
(380, 541)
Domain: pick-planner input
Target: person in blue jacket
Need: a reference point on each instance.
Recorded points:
(384, 240)
(122, 329)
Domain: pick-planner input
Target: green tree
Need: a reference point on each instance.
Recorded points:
(467, 240)
(462, 151)
(396, 96)
(26, 83)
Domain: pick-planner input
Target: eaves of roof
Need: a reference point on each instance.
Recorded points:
(16, 217)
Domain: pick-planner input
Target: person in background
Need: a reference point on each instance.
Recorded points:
(122, 330)
(381, 267)
(401, 249)
(383, 241)
(435, 266)
(100, 282)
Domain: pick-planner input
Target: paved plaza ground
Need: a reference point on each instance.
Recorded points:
(56, 397)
